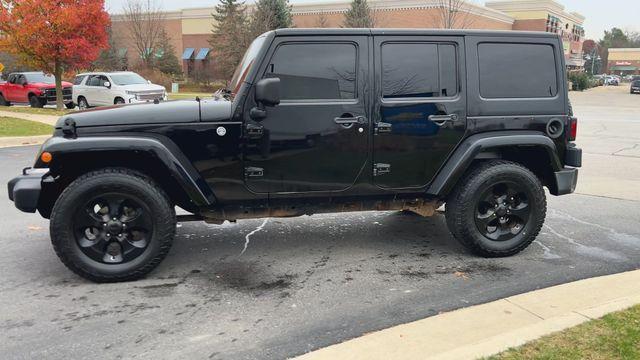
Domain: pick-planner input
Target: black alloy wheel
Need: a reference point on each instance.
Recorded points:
(113, 224)
(113, 228)
(503, 211)
(497, 209)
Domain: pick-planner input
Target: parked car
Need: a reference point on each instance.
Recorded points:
(35, 88)
(102, 89)
(612, 81)
(317, 121)
(635, 87)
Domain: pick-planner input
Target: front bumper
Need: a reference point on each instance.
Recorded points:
(25, 189)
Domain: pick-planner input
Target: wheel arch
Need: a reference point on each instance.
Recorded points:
(532, 149)
(160, 161)
(115, 100)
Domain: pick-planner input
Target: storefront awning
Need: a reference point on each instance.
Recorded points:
(188, 53)
(202, 54)
(623, 68)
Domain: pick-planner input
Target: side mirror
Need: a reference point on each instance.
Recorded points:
(268, 92)
(149, 82)
(107, 84)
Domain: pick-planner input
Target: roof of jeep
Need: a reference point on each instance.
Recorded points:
(424, 32)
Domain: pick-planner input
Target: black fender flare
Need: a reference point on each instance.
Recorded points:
(158, 147)
(469, 149)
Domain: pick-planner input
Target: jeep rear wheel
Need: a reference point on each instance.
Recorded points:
(497, 209)
(112, 225)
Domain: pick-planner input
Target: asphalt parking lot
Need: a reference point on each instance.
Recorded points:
(308, 282)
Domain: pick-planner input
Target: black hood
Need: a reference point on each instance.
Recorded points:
(183, 111)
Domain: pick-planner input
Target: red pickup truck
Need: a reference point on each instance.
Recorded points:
(34, 88)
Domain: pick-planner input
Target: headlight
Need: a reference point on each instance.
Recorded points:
(43, 90)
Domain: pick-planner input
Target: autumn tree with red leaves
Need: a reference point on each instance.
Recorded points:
(56, 36)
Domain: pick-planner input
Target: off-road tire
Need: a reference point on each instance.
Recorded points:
(70, 106)
(35, 102)
(119, 101)
(101, 181)
(462, 205)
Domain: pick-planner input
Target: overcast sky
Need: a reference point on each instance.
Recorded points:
(601, 14)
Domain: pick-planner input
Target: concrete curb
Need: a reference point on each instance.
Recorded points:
(22, 140)
(487, 329)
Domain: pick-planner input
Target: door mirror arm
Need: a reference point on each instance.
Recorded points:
(258, 112)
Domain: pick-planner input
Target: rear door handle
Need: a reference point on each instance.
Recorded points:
(350, 121)
(440, 120)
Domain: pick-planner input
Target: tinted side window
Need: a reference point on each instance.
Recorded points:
(517, 70)
(78, 79)
(94, 81)
(315, 71)
(419, 70)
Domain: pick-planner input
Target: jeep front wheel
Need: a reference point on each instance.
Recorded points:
(497, 210)
(112, 225)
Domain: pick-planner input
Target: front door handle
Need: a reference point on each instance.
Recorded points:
(440, 120)
(350, 121)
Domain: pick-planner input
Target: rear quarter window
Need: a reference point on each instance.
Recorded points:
(513, 70)
(78, 79)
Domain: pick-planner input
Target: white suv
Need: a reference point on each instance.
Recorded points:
(101, 89)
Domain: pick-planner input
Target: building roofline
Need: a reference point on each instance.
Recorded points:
(551, 6)
(340, 6)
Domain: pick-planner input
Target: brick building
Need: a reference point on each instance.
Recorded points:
(190, 29)
(624, 61)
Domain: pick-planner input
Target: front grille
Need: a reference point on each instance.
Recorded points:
(149, 96)
(52, 92)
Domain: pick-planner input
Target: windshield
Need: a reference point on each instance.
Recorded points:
(39, 78)
(245, 65)
(128, 79)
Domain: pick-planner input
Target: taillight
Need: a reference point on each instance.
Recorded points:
(573, 128)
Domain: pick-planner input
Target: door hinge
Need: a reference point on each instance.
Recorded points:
(383, 128)
(253, 172)
(381, 169)
(254, 131)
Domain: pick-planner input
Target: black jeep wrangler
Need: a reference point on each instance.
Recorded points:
(313, 121)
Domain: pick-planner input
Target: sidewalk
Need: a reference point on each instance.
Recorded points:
(491, 328)
(26, 140)
(45, 119)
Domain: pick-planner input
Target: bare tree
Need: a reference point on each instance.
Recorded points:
(453, 14)
(146, 22)
(322, 21)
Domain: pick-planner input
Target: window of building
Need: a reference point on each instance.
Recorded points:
(315, 71)
(517, 70)
(419, 70)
